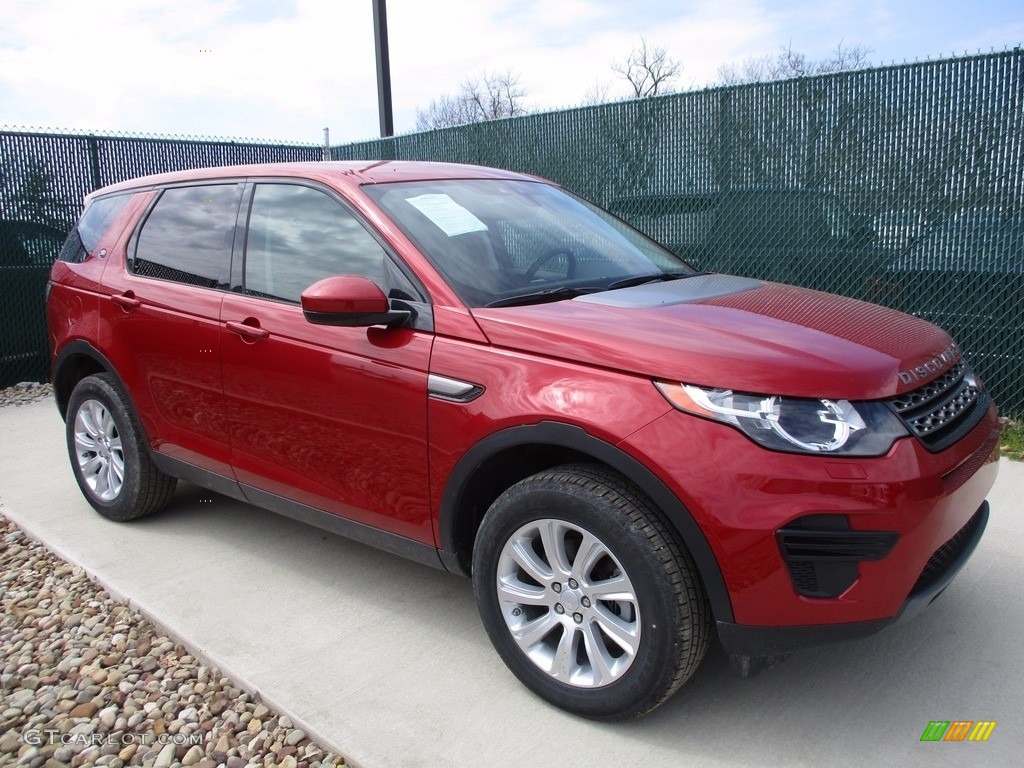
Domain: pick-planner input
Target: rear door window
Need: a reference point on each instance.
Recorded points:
(188, 235)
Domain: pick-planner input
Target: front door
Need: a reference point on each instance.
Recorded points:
(330, 417)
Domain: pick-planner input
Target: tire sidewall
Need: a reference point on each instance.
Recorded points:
(97, 388)
(652, 669)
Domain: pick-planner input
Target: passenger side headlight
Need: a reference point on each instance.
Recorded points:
(791, 424)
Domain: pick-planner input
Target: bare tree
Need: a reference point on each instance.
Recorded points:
(598, 93)
(488, 96)
(788, 63)
(649, 70)
(807, 133)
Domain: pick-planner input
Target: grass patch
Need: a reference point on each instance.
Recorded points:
(1011, 444)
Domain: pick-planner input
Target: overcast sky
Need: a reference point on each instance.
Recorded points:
(284, 70)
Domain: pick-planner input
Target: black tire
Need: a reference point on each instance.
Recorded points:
(103, 438)
(668, 618)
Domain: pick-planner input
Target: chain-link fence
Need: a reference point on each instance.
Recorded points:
(43, 178)
(902, 185)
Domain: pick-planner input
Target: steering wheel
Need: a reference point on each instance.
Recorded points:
(544, 258)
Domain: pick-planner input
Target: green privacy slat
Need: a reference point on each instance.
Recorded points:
(902, 185)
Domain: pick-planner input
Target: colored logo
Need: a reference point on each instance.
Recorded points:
(958, 730)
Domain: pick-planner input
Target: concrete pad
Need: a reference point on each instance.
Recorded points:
(385, 660)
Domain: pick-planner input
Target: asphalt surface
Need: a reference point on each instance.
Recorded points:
(386, 661)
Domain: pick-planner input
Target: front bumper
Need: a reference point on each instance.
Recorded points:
(760, 511)
(941, 569)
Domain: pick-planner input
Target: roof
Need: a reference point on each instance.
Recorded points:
(365, 172)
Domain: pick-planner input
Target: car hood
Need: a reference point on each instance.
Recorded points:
(735, 333)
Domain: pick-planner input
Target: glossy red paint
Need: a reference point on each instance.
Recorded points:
(344, 420)
(344, 295)
(522, 389)
(746, 344)
(165, 345)
(72, 310)
(304, 408)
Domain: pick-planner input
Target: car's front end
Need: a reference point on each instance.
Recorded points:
(816, 548)
(835, 455)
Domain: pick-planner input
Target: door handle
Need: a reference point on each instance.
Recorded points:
(126, 300)
(248, 329)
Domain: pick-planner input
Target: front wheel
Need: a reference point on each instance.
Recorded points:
(108, 453)
(586, 595)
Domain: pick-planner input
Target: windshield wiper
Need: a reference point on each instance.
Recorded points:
(540, 297)
(569, 292)
(628, 282)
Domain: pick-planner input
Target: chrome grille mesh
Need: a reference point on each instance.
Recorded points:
(942, 411)
(931, 390)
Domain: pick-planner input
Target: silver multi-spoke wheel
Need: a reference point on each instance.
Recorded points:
(586, 594)
(569, 604)
(108, 453)
(98, 450)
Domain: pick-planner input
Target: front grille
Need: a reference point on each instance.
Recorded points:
(944, 410)
(948, 553)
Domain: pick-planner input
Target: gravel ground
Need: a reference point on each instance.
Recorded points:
(86, 680)
(25, 393)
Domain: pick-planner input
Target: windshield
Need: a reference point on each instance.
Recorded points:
(497, 241)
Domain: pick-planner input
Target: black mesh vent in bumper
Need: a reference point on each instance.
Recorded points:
(947, 554)
(821, 553)
(943, 410)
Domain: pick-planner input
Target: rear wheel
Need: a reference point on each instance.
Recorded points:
(586, 595)
(108, 453)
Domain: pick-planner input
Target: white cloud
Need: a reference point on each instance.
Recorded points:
(283, 70)
(178, 68)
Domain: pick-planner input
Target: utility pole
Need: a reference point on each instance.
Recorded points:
(380, 35)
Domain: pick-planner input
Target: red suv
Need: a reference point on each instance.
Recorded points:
(482, 372)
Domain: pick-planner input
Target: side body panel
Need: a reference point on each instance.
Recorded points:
(334, 418)
(164, 341)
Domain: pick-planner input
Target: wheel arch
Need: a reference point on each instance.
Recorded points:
(502, 459)
(75, 361)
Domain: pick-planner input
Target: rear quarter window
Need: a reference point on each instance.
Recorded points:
(95, 220)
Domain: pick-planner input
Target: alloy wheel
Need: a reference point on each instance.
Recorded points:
(98, 450)
(568, 603)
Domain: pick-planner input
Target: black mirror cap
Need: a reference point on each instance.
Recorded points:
(391, 318)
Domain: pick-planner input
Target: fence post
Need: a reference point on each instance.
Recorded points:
(94, 162)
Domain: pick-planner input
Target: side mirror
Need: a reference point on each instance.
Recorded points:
(350, 301)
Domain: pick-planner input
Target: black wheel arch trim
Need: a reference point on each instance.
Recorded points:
(80, 347)
(84, 348)
(577, 439)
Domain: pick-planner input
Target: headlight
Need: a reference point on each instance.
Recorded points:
(791, 424)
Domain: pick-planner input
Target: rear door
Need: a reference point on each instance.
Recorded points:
(160, 320)
(330, 417)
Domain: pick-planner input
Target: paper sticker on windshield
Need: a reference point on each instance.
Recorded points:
(448, 215)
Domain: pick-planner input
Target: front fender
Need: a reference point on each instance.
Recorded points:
(454, 515)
